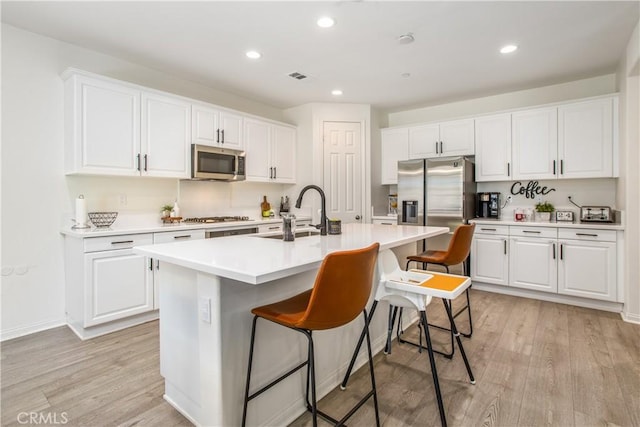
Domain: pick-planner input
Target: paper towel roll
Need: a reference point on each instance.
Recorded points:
(81, 212)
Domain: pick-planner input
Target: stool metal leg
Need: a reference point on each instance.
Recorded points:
(434, 372)
(343, 384)
(459, 341)
(246, 390)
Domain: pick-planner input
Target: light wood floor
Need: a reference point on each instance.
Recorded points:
(535, 363)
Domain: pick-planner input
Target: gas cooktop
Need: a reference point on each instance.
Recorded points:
(213, 219)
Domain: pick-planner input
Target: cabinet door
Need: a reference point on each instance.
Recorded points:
(424, 141)
(395, 147)
(283, 154)
(457, 138)
(493, 148)
(535, 143)
(257, 141)
(205, 128)
(166, 136)
(490, 259)
(585, 139)
(532, 264)
(118, 285)
(587, 269)
(231, 130)
(105, 134)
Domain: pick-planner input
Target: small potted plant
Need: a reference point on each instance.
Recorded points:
(543, 211)
(166, 211)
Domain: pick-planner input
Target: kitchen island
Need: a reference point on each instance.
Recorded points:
(207, 290)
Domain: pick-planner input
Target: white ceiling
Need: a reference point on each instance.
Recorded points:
(454, 56)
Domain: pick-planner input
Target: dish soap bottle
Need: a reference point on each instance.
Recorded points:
(175, 212)
(265, 207)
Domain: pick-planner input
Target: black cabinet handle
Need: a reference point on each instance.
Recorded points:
(488, 229)
(274, 228)
(505, 246)
(561, 167)
(157, 264)
(217, 135)
(508, 169)
(270, 173)
(146, 161)
(441, 150)
(122, 242)
(554, 251)
(275, 173)
(529, 231)
(222, 132)
(186, 236)
(586, 234)
(561, 251)
(138, 162)
(436, 147)
(554, 167)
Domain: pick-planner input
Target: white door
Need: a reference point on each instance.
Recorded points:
(585, 139)
(231, 130)
(532, 264)
(283, 154)
(587, 269)
(457, 138)
(257, 141)
(535, 143)
(166, 136)
(424, 141)
(343, 171)
(490, 259)
(205, 129)
(493, 148)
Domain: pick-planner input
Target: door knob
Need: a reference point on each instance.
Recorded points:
(358, 217)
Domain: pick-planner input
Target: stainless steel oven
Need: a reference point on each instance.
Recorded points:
(214, 163)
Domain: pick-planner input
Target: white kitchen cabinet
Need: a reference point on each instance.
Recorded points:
(533, 258)
(493, 148)
(490, 255)
(454, 138)
(270, 152)
(102, 127)
(535, 144)
(216, 128)
(394, 147)
(587, 264)
(585, 139)
(166, 136)
(115, 128)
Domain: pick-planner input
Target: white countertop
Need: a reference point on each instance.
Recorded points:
(157, 226)
(598, 226)
(253, 259)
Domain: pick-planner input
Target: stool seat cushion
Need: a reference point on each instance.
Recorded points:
(432, 257)
(288, 312)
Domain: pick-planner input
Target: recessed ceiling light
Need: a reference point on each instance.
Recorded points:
(509, 48)
(336, 92)
(406, 38)
(405, 75)
(253, 54)
(326, 22)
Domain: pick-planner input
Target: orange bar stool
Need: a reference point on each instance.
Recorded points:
(340, 293)
(456, 253)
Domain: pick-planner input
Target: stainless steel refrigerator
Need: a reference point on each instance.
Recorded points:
(437, 192)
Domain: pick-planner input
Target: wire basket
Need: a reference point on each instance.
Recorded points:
(102, 219)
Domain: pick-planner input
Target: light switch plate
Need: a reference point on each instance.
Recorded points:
(205, 309)
(564, 216)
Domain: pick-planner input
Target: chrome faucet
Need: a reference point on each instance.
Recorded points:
(323, 212)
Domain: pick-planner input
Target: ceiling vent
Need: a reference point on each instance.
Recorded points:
(297, 76)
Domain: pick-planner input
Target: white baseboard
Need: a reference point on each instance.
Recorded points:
(30, 329)
(630, 317)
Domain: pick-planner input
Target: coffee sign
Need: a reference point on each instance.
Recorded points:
(532, 189)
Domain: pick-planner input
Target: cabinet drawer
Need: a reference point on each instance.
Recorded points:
(123, 241)
(587, 234)
(177, 236)
(502, 230)
(270, 228)
(547, 232)
(390, 221)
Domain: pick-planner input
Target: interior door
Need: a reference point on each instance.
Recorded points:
(343, 170)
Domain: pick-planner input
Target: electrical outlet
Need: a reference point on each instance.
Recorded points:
(123, 200)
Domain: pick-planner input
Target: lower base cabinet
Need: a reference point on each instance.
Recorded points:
(532, 264)
(490, 257)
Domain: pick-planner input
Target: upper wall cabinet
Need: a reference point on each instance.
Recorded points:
(113, 128)
(217, 128)
(493, 148)
(454, 138)
(535, 143)
(585, 139)
(270, 152)
(395, 147)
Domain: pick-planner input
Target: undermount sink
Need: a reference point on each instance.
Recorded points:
(298, 233)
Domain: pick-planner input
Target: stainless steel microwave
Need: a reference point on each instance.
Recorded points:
(214, 163)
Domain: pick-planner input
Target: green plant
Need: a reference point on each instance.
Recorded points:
(166, 208)
(544, 207)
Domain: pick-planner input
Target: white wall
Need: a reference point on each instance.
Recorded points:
(629, 183)
(524, 98)
(36, 195)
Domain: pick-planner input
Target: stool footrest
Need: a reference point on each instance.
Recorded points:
(347, 416)
(277, 380)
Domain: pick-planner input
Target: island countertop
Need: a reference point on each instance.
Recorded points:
(255, 260)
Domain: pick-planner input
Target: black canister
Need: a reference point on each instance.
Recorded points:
(335, 226)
